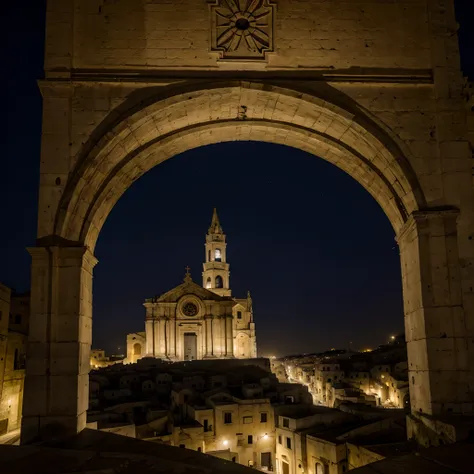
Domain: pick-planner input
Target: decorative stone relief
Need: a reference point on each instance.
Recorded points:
(242, 29)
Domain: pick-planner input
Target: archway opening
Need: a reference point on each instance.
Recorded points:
(297, 227)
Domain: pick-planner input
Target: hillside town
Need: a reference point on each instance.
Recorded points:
(334, 411)
(372, 377)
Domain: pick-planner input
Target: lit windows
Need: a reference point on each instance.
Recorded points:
(217, 255)
(219, 282)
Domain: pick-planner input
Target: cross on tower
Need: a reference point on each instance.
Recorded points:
(187, 271)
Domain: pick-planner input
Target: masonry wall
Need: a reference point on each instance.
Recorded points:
(161, 33)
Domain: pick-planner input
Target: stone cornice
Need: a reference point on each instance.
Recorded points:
(167, 76)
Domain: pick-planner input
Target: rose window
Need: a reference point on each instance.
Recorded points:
(190, 309)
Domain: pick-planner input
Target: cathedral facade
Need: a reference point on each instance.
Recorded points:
(192, 322)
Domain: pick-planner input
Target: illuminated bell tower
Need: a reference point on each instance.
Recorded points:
(215, 276)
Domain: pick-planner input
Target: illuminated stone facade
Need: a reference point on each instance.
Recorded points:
(192, 322)
(373, 87)
(14, 323)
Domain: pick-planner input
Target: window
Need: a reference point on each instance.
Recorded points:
(250, 439)
(263, 417)
(217, 255)
(208, 283)
(227, 418)
(209, 256)
(219, 282)
(288, 442)
(16, 360)
(137, 349)
(239, 314)
(199, 449)
(17, 318)
(279, 439)
(206, 425)
(286, 423)
(248, 420)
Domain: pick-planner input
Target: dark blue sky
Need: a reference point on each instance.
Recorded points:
(311, 244)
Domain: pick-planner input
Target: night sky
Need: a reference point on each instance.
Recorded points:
(313, 247)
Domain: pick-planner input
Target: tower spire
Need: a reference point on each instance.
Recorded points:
(215, 227)
(216, 274)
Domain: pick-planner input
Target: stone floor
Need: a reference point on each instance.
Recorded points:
(96, 452)
(454, 458)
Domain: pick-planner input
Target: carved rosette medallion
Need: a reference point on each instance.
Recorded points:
(242, 29)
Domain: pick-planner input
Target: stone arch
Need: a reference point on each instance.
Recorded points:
(146, 131)
(170, 123)
(137, 349)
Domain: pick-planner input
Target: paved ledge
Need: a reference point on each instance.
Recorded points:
(454, 458)
(96, 452)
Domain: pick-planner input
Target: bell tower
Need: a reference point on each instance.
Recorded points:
(215, 276)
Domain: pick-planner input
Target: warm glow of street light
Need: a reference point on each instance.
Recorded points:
(225, 442)
(265, 436)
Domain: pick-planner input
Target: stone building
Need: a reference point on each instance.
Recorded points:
(14, 326)
(192, 322)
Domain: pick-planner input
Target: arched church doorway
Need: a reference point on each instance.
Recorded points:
(323, 121)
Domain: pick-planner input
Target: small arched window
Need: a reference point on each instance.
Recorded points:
(217, 255)
(219, 282)
(137, 349)
(208, 255)
(209, 283)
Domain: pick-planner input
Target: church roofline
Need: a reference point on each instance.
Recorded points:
(188, 285)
